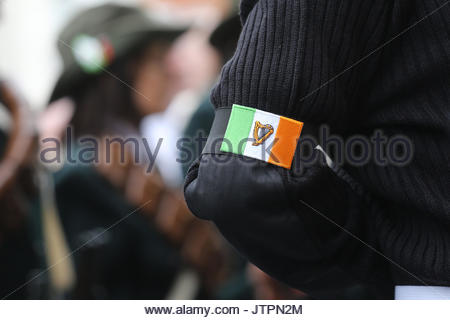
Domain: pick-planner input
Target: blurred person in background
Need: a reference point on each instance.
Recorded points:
(20, 256)
(224, 40)
(117, 72)
(197, 65)
(114, 73)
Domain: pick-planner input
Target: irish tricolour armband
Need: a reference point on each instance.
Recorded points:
(261, 135)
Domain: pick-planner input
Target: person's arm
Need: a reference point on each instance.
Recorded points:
(293, 58)
(287, 52)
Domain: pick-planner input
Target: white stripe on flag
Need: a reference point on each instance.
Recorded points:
(262, 152)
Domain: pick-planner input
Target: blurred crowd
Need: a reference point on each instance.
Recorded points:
(110, 229)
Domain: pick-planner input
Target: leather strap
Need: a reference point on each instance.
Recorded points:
(217, 132)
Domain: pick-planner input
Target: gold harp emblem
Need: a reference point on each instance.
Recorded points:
(267, 132)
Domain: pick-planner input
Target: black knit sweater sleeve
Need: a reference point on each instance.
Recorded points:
(288, 50)
(347, 64)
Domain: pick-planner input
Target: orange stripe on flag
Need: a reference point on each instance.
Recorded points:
(285, 144)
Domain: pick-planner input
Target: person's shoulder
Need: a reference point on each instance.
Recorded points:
(82, 183)
(77, 174)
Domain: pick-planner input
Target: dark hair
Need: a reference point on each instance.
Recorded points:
(106, 99)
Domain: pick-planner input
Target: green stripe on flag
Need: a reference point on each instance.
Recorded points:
(239, 126)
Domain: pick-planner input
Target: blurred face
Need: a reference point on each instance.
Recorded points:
(153, 80)
(194, 61)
